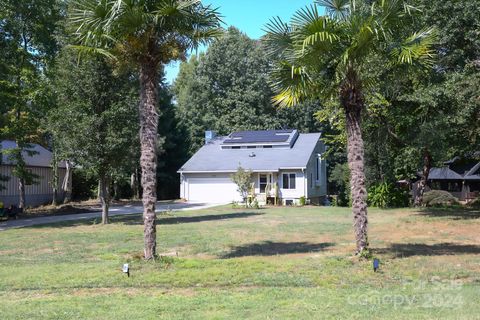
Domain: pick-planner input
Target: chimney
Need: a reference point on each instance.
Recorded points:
(209, 136)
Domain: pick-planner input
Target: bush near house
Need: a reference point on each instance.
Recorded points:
(387, 195)
(475, 204)
(439, 198)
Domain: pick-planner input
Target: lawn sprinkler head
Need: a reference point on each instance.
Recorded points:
(126, 269)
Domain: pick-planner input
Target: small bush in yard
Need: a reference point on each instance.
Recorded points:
(387, 195)
(302, 201)
(475, 204)
(242, 178)
(438, 198)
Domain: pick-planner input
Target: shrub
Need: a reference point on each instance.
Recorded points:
(475, 204)
(340, 185)
(242, 178)
(302, 201)
(438, 198)
(387, 195)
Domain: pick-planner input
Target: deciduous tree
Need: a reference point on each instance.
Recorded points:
(95, 123)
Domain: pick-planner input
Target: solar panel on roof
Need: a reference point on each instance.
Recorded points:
(259, 136)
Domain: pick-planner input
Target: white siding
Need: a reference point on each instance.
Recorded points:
(291, 194)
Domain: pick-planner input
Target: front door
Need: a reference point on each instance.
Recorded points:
(264, 179)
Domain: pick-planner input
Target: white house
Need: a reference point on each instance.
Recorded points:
(40, 163)
(286, 164)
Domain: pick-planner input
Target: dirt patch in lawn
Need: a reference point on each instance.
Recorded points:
(411, 228)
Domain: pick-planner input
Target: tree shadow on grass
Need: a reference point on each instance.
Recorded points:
(167, 220)
(136, 219)
(269, 248)
(405, 250)
(455, 213)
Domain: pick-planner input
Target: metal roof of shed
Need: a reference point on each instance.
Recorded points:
(41, 158)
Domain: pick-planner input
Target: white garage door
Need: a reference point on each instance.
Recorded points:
(212, 190)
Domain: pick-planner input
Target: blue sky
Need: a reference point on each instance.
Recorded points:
(250, 16)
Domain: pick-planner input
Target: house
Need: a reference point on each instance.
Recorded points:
(286, 166)
(40, 163)
(459, 176)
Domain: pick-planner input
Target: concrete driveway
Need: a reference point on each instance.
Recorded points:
(114, 211)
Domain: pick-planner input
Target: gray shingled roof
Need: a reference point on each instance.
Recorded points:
(443, 173)
(474, 173)
(212, 158)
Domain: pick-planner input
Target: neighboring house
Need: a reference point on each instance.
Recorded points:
(39, 164)
(286, 164)
(460, 177)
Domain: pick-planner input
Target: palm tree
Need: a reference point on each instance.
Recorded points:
(145, 35)
(331, 57)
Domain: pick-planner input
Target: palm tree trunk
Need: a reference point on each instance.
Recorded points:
(427, 165)
(148, 158)
(352, 102)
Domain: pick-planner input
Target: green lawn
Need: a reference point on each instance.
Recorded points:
(263, 264)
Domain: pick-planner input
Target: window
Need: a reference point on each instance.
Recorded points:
(263, 181)
(288, 180)
(251, 147)
(267, 147)
(236, 147)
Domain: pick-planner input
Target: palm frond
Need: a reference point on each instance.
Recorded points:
(278, 38)
(336, 9)
(206, 25)
(312, 29)
(159, 29)
(91, 21)
(86, 50)
(291, 83)
(417, 48)
(362, 36)
(391, 13)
